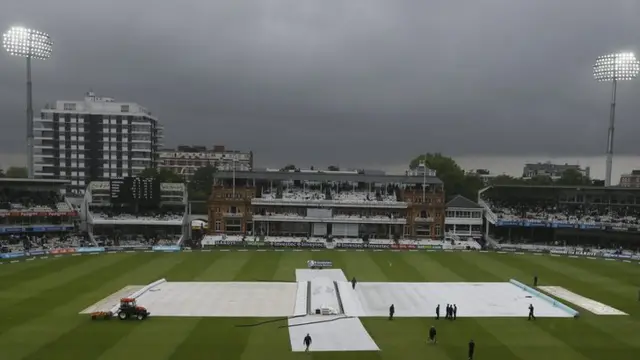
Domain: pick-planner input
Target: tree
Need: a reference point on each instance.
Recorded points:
(288, 167)
(454, 178)
(573, 177)
(333, 168)
(148, 173)
(540, 180)
(506, 180)
(456, 182)
(201, 183)
(17, 172)
(168, 176)
(1, 173)
(163, 175)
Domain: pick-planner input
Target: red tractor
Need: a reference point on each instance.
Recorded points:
(130, 310)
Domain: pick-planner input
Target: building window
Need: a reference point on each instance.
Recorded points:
(438, 230)
(233, 226)
(124, 108)
(69, 107)
(218, 226)
(422, 230)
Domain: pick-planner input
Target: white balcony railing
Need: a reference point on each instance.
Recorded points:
(335, 219)
(489, 215)
(334, 203)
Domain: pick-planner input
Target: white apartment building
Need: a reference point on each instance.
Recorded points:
(93, 140)
(554, 171)
(185, 160)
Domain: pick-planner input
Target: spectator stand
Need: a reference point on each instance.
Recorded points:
(33, 209)
(590, 217)
(132, 224)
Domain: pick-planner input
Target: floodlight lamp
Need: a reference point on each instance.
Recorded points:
(620, 66)
(19, 41)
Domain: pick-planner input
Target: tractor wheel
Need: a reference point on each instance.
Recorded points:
(140, 317)
(123, 316)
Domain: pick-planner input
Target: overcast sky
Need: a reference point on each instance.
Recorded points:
(363, 81)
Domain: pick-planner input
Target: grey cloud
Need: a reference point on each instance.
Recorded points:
(359, 81)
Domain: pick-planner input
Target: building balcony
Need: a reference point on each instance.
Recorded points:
(233, 215)
(43, 146)
(40, 155)
(332, 203)
(462, 221)
(328, 220)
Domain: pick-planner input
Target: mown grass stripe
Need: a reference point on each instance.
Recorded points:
(489, 342)
(395, 267)
(527, 340)
(36, 267)
(229, 342)
(577, 280)
(143, 343)
(69, 298)
(54, 328)
(361, 265)
(32, 274)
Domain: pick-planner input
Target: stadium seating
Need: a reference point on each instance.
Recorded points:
(355, 218)
(32, 201)
(350, 196)
(446, 244)
(362, 197)
(110, 215)
(574, 214)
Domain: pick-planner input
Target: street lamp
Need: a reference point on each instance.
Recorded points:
(614, 67)
(29, 43)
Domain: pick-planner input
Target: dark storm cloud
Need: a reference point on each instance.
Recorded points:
(357, 81)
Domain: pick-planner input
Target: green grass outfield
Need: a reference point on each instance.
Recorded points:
(40, 301)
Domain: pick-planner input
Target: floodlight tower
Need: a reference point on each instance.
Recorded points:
(614, 67)
(31, 44)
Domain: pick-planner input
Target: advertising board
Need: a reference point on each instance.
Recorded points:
(170, 248)
(36, 252)
(12, 255)
(62, 251)
(294, 244)
(90, 249)
(238, 243)
(403, 246)
(319, 264)
(429, 247)
(362, 246)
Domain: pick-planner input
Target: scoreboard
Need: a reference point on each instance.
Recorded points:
(131, 190)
